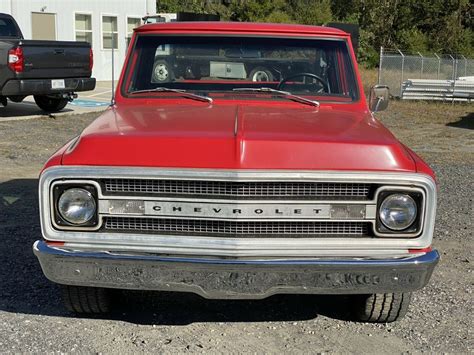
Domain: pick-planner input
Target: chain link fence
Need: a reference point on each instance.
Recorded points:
(396, 68)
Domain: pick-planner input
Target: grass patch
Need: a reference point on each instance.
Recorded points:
(369, 78)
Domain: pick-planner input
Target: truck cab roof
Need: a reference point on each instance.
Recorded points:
(241, 27)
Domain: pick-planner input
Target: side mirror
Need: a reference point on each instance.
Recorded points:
(378, 98)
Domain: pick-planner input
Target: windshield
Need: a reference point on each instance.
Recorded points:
(308, 67)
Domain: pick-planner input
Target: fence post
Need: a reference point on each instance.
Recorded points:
(379, 75)
(439, 65)
(465, 65)
(403, 67)
(454, 76)
(454, 65)
(421, 70)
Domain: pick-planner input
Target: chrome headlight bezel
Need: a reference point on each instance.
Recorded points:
(59, 220)
(415, 228)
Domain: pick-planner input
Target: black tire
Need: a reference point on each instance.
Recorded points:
(162, 72)
(80, 299)
(50, 104)
(381, 307)
(259, 74)
(16, 98)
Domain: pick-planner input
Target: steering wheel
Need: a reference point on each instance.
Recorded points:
(310, 75)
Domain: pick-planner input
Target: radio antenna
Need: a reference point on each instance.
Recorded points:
(112, 100)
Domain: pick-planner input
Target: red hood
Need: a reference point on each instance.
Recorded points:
(232, 136)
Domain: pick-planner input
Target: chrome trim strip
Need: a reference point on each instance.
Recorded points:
(85, 171)
(185, 199)
(104, 209)
(240, 219)
(238, 279)
(226, 246)
(280, 250)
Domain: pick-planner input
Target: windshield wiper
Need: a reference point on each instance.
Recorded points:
(285, 94)
(183, 93)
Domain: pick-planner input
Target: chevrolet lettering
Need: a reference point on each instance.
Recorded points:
(239, 161)
(237, 211)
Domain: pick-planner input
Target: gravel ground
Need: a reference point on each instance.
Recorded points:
(32, 318)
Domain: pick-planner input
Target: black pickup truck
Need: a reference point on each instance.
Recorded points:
(51, 71)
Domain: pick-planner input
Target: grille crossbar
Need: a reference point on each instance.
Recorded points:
(242, 229)
(239, 189)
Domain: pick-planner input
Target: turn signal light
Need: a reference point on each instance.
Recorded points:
(16, 60)
(91, 59)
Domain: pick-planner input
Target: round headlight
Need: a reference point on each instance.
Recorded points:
(77, 206)
(398, 211)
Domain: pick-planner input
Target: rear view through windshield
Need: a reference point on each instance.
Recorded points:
(314, 67)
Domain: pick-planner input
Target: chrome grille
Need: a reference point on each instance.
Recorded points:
(236, 228)
(239, 189)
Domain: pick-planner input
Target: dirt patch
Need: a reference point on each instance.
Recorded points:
(438, 132)
(26, 145)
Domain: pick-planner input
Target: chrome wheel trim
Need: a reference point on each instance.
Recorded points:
(161, 72)
(260, 75)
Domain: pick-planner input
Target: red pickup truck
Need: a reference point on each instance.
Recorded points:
(240, 161)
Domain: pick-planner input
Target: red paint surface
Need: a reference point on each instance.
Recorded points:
(421, 166)
(54, 244)
(271, 135)
(240, 28)
(422, 250)
(56, 158)
(171, 131)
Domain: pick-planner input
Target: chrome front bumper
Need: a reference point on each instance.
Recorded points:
(235, 279)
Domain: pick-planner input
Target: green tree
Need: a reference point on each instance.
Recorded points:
(209, 6)
(258, 10)
(444, 26)
(310, 12)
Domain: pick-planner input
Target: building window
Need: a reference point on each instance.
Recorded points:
(109, 32)
(132, 22)
(84, 28)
